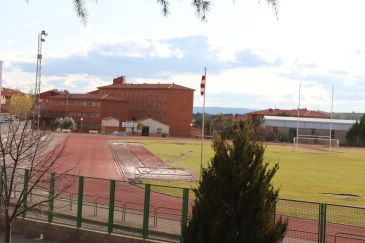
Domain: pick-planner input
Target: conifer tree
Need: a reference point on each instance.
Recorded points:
(355, 136)
(235, 200)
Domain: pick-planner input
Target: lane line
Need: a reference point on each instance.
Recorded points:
(117, 164)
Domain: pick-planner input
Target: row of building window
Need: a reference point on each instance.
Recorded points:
(84, 114)
(72, 114)
(74, 102)
(90, 126)
(137, 94)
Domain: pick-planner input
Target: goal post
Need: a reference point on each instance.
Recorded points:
(319, 141)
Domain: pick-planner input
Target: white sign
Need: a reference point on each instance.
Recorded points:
(129, 124)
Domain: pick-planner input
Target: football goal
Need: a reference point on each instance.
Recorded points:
(315, 141)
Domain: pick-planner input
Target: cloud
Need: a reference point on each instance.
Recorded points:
(147, 58)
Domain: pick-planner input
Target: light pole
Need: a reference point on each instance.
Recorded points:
(37, 89)
(81, 119)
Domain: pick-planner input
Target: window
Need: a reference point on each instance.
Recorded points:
(159, 130)
(313, 132)
(332, 133)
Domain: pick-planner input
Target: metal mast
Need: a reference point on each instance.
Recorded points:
(37, 88)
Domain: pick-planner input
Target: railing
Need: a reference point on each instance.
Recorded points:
(158, 212)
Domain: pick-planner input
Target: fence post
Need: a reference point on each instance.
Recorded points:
(79, 201)
(185, 208)
(322, 223)
(111, 206)
(146, 212)
(25, 191)
(51, 198)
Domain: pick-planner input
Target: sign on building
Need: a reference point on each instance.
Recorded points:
(129, 124)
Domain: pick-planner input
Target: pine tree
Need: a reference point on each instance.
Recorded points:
(235, 200)
(355, 136)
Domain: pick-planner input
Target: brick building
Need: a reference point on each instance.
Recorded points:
(5, 98)
(87, 110)
(170, 104)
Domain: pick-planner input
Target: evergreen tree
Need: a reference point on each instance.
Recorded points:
(235, 200)
(356, 134)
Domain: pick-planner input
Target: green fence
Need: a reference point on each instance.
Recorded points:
(158, 212)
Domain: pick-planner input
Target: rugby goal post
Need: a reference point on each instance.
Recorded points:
(320, 141)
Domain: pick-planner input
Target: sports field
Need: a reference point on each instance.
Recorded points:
(303, 175)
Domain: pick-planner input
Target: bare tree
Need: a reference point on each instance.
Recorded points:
(27, 174)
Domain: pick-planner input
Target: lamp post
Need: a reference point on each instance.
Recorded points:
(81, 119)
(37, 89)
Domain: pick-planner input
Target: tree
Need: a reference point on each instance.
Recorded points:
(235, 200)
(21, 105)
(28, 163)
(355, 136)
(65, 123)
(201, 8)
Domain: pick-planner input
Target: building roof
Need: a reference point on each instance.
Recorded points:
(87, 97)
(6, 92)
(303, 119)
(311, 123)
(145, 86)
(290, 113)
(52, 92)
(152, 120)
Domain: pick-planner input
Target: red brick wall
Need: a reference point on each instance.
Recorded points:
(117, 109)
(173, 107)
(180, 111)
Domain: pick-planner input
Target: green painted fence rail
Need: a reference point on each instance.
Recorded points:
(160, 212)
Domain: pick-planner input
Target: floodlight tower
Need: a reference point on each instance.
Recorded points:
(37, 89)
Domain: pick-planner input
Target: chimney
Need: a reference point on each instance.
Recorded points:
(120, 80)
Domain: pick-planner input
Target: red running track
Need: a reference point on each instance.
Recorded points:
(92, 158)
(89, 155)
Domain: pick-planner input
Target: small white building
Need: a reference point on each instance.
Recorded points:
(155, 127)
(109, 125)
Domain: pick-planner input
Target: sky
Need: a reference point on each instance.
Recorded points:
(253, 59)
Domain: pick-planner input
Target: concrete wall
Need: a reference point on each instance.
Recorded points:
(61, 233)
(111, 122)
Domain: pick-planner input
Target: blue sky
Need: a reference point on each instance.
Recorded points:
(253, 59)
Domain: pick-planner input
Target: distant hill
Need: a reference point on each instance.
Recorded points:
(347, 116)
(221, 110)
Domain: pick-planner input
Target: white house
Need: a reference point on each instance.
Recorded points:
(155, 127)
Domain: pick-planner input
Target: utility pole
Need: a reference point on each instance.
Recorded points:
(37, 88)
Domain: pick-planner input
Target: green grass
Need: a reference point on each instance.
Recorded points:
(303, 175)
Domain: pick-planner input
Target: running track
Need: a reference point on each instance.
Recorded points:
(91, 157)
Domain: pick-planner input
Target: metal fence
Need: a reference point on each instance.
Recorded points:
(158, 212)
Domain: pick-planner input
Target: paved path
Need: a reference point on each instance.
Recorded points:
(22, 239)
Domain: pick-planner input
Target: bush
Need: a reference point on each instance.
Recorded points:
(65, 123)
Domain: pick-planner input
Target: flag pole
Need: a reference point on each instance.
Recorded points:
(202, 140)
(333, 87)
(296, 142)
